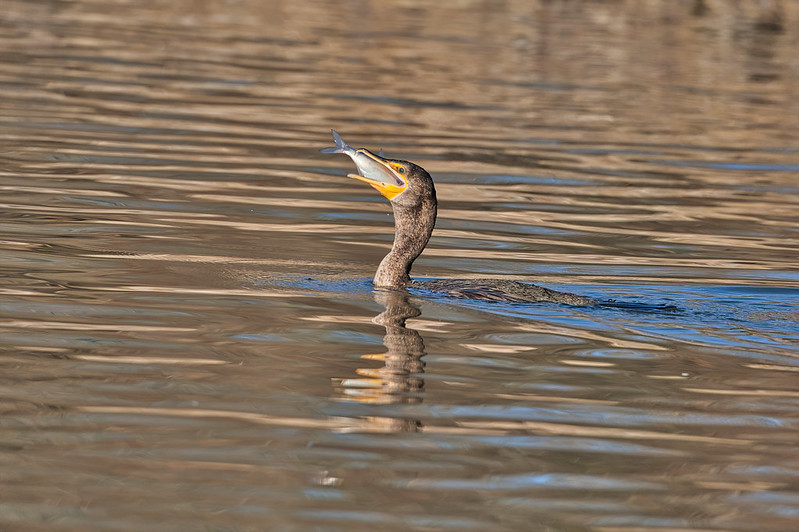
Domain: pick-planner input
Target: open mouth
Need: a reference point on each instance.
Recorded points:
(385, 176)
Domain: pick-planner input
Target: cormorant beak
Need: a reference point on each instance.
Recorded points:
(385, 175)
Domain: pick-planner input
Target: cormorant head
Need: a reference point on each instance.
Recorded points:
(413, 185)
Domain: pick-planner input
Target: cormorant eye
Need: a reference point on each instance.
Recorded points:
(401, 169)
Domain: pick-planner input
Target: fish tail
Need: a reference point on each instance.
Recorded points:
(341, 146)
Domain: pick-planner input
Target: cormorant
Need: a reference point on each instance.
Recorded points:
(410, 190)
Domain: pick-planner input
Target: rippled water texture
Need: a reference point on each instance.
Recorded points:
(190, 339)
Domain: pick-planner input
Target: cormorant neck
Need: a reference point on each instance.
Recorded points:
(413, 226)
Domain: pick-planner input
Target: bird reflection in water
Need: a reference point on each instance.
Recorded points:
(399, 380)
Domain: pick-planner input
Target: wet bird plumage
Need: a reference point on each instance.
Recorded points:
(415, 207)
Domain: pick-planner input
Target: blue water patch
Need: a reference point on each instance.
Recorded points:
(567, 444)
(271, 338)
(361, 285)
(354, 216)
(610, 151)
(320, 337)
(508, 179)
(525, 481)
(474, 243)
(760, 167)
(499, 227)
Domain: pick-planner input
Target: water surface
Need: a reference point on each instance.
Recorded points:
(190, 339)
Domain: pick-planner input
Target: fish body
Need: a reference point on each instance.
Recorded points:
(374, 168)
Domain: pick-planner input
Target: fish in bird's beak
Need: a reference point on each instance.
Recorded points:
(387, 176)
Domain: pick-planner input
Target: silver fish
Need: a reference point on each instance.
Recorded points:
(370, 166)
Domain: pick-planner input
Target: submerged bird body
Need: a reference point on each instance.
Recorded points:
(412, 194)
(499, 290)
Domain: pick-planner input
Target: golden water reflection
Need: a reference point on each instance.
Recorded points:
(399, 379)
